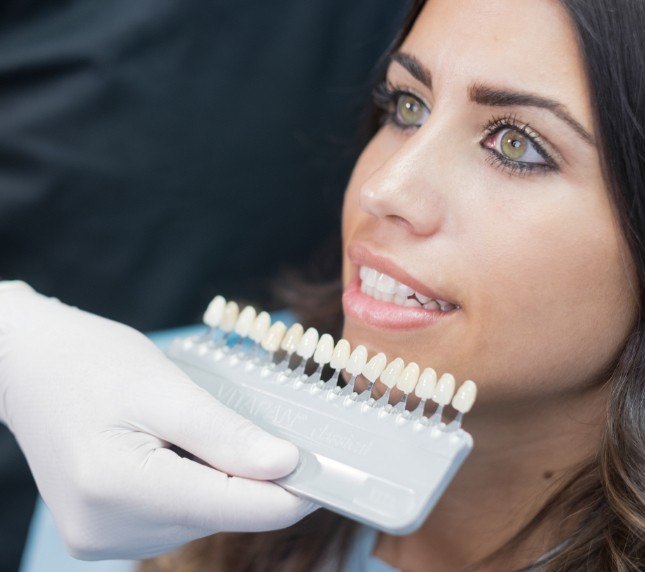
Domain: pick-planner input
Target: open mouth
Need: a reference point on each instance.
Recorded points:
(385, 288)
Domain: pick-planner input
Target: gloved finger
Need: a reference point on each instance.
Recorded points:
(197, 500)
(191, 418)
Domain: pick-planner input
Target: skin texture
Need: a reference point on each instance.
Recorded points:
(536, 261)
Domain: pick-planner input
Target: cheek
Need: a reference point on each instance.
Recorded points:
(557, 305)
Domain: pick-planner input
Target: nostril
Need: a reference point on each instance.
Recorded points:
(399, 220)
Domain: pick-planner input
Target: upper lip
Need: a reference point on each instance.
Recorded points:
(360, 255)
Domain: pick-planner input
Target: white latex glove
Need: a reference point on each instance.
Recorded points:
(94, 405)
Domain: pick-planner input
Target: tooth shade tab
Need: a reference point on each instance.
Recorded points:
(229, 317)
(375, 367)
(407, 380)
(444, 389)
(357, 360)
(426, 384)
(307, 345)
(465, 396)
(341, 354)
(245, 321)
(214, 312)
(260, 327)
(392, 371)
(272, 339)
(324, 349)
(292, 338)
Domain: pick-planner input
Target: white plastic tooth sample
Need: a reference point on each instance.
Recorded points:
(407, 380)
(272, 339)
(324, 349)
(375, 367)
(424, 390)
(340, 355)
(229, 316)
(426, 384)
(307, 344)
(392, 371)
(386, 284)
(213, 313)
(371, 276)
(357, 360)
(245, 321)
(444, 389)
(465, 396)
(260, 327)
(292, 338)
(431, 305)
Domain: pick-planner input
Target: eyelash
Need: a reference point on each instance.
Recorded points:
(385, 97)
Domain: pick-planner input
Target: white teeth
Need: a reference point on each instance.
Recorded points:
(408, 378)
(229, 316)
(260, 327)
(245, 321)
(403, 290)
(308, 343)
(444, 390)
(357, 360)
(465, 396)
(271, 340)
(292, 338)
(384, 288)
(324, 349)
(392, 371)
(427, 382)
(386, 284)
(341, 354)
(375, 367)
(213, 313)
(370, 277)
(423, 299)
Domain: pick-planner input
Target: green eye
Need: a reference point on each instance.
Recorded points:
(513, 144)
(410, 112)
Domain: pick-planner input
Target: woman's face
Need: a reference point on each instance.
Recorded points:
(484, 189)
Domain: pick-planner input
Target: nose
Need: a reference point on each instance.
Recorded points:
(403, 190)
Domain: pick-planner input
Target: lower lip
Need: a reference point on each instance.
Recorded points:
(359, 306)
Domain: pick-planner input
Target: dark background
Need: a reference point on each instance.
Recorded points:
(156, 152)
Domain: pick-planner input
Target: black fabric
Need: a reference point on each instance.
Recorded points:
(155, 152)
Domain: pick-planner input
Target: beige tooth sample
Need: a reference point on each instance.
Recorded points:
(465, 396)
(245, 321)
(214, 312)
(426, 384)
(260, 327)
(392, 371)
(444, 390)
(307, 344)
(375, 367)
(357, 360)
(292, 338)
(407, 380)
(271, 340)
(229, 317)
(341, 354)
(324, 349)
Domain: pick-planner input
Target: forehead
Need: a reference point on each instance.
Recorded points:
(523, 45)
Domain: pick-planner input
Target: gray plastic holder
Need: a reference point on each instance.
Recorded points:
(367, 463)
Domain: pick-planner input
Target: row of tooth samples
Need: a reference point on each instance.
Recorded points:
(302, 345)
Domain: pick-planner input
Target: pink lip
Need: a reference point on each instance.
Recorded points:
(379, 314)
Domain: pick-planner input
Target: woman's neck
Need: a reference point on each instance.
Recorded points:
(519, 459)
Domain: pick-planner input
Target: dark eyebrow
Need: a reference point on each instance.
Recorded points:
(485, 95)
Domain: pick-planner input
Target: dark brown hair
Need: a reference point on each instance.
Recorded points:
(601, 507)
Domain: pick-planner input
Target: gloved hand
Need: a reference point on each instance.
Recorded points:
(94, 406)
